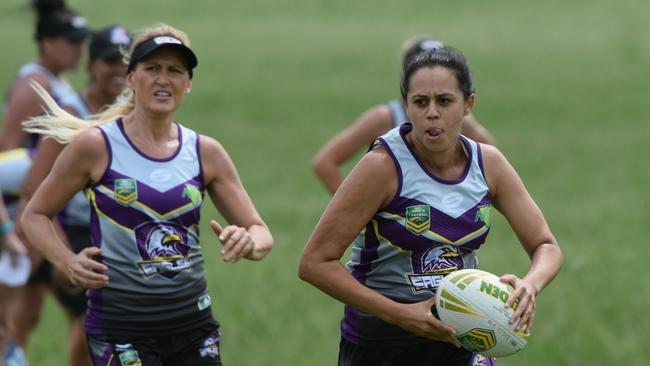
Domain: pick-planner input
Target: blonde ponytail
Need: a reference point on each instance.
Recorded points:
(62, 126)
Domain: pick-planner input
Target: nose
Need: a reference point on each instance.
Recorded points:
(432, 112)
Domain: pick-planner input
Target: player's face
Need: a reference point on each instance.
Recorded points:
(160, 81)
(108, 75)
(436, 107)
(62, 53)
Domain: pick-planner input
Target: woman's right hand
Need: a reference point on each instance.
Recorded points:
(417, 318)
(84, 271)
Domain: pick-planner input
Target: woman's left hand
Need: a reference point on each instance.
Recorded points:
(237, 241)
(524, 292)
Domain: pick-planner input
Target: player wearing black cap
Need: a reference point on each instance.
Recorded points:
(146, 176)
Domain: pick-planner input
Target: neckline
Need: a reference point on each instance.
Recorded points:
(467, 148)
(120, 125)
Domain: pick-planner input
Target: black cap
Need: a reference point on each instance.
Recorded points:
(107, 43)
(145, 48)
(62, 23)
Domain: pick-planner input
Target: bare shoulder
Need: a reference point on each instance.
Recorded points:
(379, 115)
(211, 150)
(89, 141)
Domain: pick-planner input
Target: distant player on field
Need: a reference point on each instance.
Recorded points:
(375, 122)
(106, 70)
(146, 176)
(415, 208)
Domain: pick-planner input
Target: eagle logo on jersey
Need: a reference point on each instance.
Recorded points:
(433, 265)
(417, 219)
(163, 248)
(126, 191)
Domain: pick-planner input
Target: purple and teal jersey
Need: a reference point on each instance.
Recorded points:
(145, 217)
(432, 227)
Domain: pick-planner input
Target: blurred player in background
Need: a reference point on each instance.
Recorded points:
(375, 122)
(415, 208)
(146, 177)
(107, 72)
(10, 244)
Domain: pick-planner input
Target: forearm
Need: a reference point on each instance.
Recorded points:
(42, 235)
(333, 279)
(263, 242)
(328, 172)
(546, 263)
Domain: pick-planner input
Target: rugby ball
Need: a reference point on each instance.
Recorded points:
(473, 302)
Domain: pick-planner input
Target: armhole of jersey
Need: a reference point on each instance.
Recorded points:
(479, 158)
(109, 149)
(398, 169)
(198, 158)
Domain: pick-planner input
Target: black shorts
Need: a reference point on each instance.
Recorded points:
(72, 298)
(426, 354)
(196, 347)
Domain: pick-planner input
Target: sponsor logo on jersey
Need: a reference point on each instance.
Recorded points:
(126, 191)
(163, 248)
(452, 200)
(192, 193)
(204, 302)
(483, 214)
(436, 263)
(160, 175)
(417, 219)
(210, 347)
(128, 355)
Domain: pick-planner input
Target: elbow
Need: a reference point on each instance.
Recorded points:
(305, 272)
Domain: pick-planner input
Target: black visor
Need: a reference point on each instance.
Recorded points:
(147, 47)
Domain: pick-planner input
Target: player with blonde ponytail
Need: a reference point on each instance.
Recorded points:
(146, 176)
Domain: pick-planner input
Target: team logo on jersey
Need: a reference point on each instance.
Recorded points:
(483, 214)
(436, 263)
(193, 194)
(204, 302)
(126, 191)
(128, 355)
(163, 248)
(417, 219)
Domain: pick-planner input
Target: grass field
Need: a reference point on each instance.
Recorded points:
(562, 85)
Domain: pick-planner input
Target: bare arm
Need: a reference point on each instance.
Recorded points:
(327, 162)
(247, 236)
(81, 161)
(23, 103)
(370, 186)
(510, 197)
(477, 132)
(47, 152)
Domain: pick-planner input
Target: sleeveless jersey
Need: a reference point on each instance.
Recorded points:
(397, 111)
(15, 164)
(145, 217)
(432, 227)
(62, 92)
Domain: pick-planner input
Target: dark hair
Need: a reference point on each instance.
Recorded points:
(55, 19)
(448, 57)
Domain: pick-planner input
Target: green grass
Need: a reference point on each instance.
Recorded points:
(561, 85)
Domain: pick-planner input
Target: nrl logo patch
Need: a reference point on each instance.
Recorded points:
(126, 191)
(417, 219)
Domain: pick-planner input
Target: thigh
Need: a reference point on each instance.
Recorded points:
(123, 352)
(197, 347)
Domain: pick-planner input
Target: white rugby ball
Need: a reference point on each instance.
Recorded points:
(473, 302)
